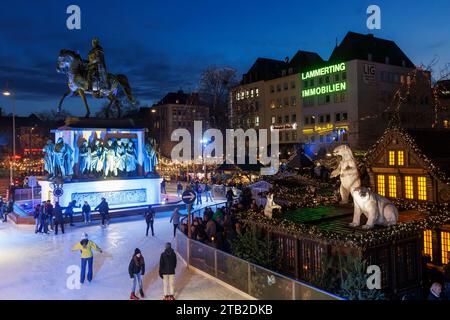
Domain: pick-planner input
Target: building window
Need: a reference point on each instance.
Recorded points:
(286, 119)
(392, 158)
(337, 117)
(392, 180)
(422, 188)
(344, 116)
(428, 243)
(445, 246)
(286, 102)
(306, 120)
(286, 135)
(328, 118)
(257, 92)
(273, 120)
(280, 120)
(285, 86)
(400, 158)
(272, 89)
(409, 187)
(321, 119)
(278, 87)
(292, 84)
(381, 186)
(257, 121)
(294, 118)
(294, 135)
(293, 101)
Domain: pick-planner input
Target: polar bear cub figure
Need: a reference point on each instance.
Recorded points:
(348, 172)
(377, 209)
(270, 205)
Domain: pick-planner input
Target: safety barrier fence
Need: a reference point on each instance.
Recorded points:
(244, 276)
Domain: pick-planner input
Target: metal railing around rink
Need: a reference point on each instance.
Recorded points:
(247, 277)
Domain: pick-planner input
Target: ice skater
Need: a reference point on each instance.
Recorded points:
(175, 219)
(86, 210)
(103, 208)
(149, 219)
(85, 246)
(167, 266)
(59, 218)
(69, 211)
(136, 269)
(36, 214)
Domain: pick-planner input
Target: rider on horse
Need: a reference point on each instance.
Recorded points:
(97, 73)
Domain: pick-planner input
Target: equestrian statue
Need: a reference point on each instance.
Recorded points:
(91, 77)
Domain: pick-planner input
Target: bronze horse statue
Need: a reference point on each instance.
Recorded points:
(75, 68)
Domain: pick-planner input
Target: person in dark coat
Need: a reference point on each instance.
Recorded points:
(49, 214)
(136, 269)
(435, 292)
(86, 209)
(167, 265)
(149, 219)
(69, 211)
(36, 214)
(43, 227)
(58, 218)
(103, 208)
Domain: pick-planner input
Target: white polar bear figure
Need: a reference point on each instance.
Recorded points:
(378, 210)
(348, 172)
(270, 205)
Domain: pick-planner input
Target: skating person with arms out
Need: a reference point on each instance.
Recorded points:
(136, 269)
(85, 246)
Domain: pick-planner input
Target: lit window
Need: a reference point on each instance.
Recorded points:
(257, 92)
(257, 121)
(400, 158)
(422, 188)
(409, 189)
(428, 243)
(445, 246)
(381, 185)
(392, 186)
(273, 120)
(392, 158)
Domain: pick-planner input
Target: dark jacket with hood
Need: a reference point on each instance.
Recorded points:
(167, 262)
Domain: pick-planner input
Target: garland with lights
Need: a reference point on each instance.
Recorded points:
(364, 239)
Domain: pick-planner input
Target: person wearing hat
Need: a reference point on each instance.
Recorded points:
(136, 269)
(85, 246)
(167, 266)
(149, 219)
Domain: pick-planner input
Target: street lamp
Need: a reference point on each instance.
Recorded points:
(7, 93)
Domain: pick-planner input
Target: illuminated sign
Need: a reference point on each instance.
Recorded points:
(284, 127)
(330, 88)
(327, 88)
(324, 71)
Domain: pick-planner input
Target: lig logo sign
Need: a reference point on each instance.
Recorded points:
(327, 88)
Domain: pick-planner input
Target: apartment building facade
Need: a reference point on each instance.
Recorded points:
(177, 110)
(346, 99)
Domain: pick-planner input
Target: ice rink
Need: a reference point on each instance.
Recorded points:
(33, 266)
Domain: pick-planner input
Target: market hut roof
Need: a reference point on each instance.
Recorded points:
(431, 146)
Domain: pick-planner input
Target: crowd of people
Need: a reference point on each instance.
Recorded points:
(51, 217)
(216, 228)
